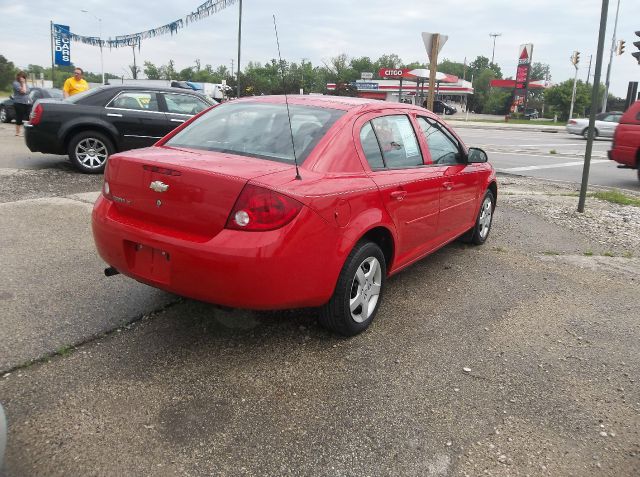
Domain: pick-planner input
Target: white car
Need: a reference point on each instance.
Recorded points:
(606, 124)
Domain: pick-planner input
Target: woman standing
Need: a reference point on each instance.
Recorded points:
(21, 99)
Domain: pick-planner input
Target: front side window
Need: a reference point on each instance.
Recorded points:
(443, 147)
(139, 101)
(397, 141)
(258, 130)
(184, 104)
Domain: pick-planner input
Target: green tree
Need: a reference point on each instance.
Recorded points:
(151, 70)
(362, 64)
(388, 61)
(540, 71)
(7, 72)
(481, 89)
(558, 97)
(497, 101)
(452, 68)
(482, 63)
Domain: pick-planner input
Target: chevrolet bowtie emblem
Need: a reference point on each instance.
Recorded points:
(158, 186)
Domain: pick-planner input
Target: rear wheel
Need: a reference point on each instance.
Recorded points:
(585, 133)
(89, 151)
(358, 293)
(4, 117)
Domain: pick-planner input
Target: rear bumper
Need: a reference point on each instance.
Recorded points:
(575, 129)
(38, 140)
(296, 266)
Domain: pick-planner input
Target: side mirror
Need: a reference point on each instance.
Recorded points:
(476, 155)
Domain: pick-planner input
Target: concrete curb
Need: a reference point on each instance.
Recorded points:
(504, 127)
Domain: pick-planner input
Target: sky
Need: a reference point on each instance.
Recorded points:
(318, 30)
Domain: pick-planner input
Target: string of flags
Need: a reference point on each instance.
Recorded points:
(203, 11)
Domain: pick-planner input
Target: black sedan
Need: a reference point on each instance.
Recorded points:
(8, 112)
(91, 126)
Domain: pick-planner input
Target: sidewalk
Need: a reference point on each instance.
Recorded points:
(505, 126)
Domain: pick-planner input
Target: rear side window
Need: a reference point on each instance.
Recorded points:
(370, 147)
(138, 101)
(398, 141)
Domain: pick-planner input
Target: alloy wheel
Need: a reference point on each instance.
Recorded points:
(484, 221)
(91, 153)
(365, 289)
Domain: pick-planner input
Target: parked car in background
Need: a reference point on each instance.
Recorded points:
(441, 107)
(626, 140)
(218, 210)
(605, 126)
(531, 113)
(91, 126)
(8, 112)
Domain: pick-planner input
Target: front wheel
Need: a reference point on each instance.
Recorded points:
(89, 151)
(480, 231)
(358, 293)
(4, 117)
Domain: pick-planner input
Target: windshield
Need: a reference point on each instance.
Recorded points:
(258, 130)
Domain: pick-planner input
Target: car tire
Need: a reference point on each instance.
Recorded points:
(89, 151)
(4, 116)
(585, 133)
(358, 294)
(479, 233)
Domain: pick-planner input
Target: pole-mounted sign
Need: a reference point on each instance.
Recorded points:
(522, 76)
(62, 44)
(433, 42)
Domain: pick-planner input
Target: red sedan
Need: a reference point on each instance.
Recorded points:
(218, 211)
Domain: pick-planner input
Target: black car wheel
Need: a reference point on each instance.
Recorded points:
(89, 151)
(585, 133)
(358, 293)
(4, 116)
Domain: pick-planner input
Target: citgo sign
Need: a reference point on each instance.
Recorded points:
(394, 73)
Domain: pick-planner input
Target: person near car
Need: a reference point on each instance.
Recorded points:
(20, 99)
(75, 84)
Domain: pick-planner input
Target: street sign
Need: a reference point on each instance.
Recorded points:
(428, 39)
(366, 76)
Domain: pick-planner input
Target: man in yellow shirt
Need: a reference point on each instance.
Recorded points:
(76, 84)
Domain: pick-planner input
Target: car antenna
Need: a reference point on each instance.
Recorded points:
(286, 100)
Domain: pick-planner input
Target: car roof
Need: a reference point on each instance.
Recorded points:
(345, 103)
(165, 89)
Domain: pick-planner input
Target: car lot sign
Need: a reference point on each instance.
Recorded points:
(62, 44)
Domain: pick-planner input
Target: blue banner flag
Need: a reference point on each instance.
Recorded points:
(62, 44)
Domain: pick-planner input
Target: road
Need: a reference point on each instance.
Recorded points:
(519, 357)
(555, 156)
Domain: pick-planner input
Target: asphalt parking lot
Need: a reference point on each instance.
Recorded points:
(519, 357)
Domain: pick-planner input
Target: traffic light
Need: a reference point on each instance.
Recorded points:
(636, 54)
(620, 47)
(575, 58)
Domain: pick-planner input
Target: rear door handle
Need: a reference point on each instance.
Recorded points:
(178, 120)
(448, 185)
(398, 194)
(114, 115)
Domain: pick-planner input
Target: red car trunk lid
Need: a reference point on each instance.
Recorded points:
(181, 191)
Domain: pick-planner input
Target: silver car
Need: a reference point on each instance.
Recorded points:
(606, 124)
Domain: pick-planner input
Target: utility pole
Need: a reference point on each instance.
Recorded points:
(613, 46)
(135, 68)
(594, 105)
(575, 59)
(232, 67)
(589, 70)
(494, 35)
(239, 42)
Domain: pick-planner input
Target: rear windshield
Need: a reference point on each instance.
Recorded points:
(258, 130)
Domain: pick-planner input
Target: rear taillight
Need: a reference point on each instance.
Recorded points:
(106, 190)
(573, 121)
(36, 114)
(259, 209)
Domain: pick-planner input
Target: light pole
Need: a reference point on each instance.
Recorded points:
(575, 59)
(100, 38)
(494, 36)
(613, 47)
